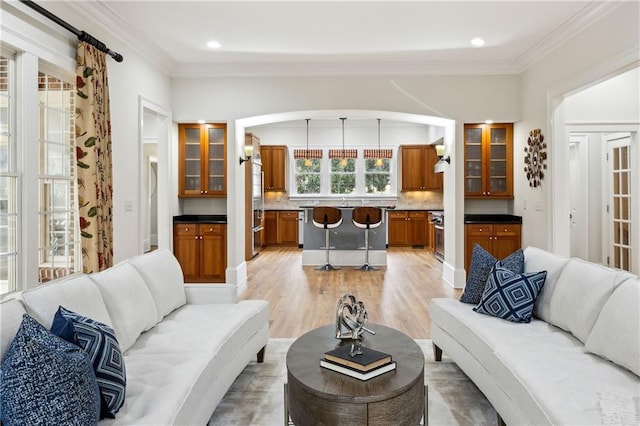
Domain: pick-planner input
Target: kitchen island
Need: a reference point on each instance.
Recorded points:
(346, 241)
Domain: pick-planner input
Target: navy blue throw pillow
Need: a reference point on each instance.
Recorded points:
(481, 264)
(46, 380)
(99, 341)
(511, 296)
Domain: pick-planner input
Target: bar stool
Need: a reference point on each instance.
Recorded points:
(327, 218)
(366, 218)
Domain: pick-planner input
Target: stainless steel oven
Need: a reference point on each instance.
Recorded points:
(438, 221)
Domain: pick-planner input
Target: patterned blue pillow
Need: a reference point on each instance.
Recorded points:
(99, 341)
(511, 296)
(46, 380)
(481, 264)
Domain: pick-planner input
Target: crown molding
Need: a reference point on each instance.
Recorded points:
(587, 16)
(104, 17)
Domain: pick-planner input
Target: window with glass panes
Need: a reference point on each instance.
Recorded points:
(8, 178)
(59, 245)
(377, 171)
(307, 170)
(342, 175)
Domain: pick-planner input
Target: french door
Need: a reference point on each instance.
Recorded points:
(622, 201)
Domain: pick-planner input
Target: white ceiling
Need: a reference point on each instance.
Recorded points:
(343, 37)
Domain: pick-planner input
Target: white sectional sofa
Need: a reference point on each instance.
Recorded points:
(183, 345)
(576, 363)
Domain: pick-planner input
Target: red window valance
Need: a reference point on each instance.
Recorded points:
(307, 153)
(377, 153)
(343, 153)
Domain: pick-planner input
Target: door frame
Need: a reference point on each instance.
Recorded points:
(580, 141)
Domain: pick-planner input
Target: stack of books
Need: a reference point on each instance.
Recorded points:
(369, 364)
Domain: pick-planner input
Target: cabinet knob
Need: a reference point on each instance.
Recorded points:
(505, 229)
(186, 229)
(479, 229)
(196, 237)
(202, 192)
(206, 192)
(489, 193)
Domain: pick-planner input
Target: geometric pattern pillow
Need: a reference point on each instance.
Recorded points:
(511, 296)
(481, 264)
(99, 341)
(46, 380)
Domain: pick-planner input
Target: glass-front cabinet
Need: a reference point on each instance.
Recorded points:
(202, 160)
(488, 155)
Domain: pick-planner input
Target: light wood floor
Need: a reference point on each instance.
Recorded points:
(302, 298)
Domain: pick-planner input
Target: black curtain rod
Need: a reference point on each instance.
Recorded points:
(82, 36)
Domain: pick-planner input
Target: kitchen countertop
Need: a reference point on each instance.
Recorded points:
(201, 218)
(492, 218)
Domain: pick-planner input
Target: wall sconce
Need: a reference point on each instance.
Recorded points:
(248, 153)
(440, 154)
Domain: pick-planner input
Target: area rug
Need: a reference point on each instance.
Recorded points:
(256, 397)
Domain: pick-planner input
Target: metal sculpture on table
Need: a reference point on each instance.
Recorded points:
(351, 316)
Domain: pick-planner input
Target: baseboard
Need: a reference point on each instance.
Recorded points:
(452, 276)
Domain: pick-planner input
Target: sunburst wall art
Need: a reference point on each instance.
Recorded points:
(535, 155)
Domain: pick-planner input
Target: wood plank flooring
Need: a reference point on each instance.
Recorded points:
(302, 298)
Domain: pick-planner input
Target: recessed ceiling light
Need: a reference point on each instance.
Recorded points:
(201, 121)
(488, 121)
(213, 44)
(477, 42)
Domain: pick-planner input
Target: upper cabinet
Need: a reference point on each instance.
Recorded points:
(488, 159)
(418, 162)
(274, 167)
(202, 168)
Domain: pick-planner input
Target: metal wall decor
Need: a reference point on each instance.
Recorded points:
(535, 156)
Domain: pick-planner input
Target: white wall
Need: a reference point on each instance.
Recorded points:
(592, 55)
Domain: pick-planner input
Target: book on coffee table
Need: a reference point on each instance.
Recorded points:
(367, 361)
(356, 373)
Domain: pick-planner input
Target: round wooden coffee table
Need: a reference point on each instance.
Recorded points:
(315, 395)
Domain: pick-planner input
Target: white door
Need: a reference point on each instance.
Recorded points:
(579, 196)
(621, 203)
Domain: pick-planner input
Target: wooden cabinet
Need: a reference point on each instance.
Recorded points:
(281, 228)
(418, 162)
(431, 234)
(274, 160)
(488, 159)
(407, 228)
(202, 167)
(201, 249)
(498, 239)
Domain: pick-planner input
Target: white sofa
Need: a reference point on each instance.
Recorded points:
(183, 345)
(576, 363)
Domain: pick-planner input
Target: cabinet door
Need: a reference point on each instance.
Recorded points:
(215, 167)
(213, 249)
(506, 240)
(416, 227)
(412, 168)
(273, 166)
(185, 249)
(477, 234)
(473, 163)
(288, 228)
(432, 180)
(191, 160)
(499, 161)
(270, 228)
(430, 233)
(397, 228)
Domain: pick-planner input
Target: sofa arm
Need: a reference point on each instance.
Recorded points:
(206, 294)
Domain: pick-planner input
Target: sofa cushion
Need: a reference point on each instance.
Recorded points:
(174, 362)
(536, 259)
(11, 312)
(128, 301)
(510, 296)
(99, 342)
(46, 380)
(79, 293)
(616, 333)
(581, 291)
(481, 264)
(163, 276)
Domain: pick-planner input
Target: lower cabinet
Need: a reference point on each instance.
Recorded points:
(407, 228)
(498, 239)
(281, 228)
(201, 249)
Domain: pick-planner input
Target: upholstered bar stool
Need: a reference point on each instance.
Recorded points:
(327, 218)
(366, 218)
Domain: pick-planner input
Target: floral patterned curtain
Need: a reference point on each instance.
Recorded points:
(93, 151)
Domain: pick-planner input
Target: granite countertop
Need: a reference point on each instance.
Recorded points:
(492, 218)
(201, 218)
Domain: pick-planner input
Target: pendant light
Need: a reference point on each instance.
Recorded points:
(307, 160)
(379, 159)
(343, 162)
